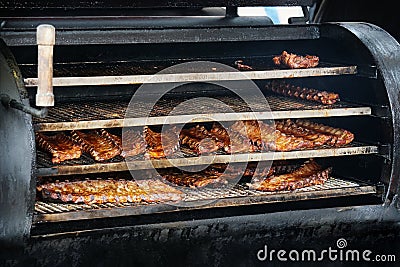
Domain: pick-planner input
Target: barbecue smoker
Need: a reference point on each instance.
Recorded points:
(99, 62)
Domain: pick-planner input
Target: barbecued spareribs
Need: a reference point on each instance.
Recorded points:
(282, 88)
(200, 140)
(266, 138)
(221, 135)
(195, 180)
(289, 127)
(215, 175)
(161, 146)
(340, 136)
(294, 61)
(98, 144)
(60, 146)
(308, 174)
(110, 191)
(234, 138)
(133, 143)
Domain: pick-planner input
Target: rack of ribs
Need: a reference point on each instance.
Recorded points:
(240, 143)
(259, 170)
(233, 172)
(193, 180)
(161, 146)
(308, 174)
(340, 136)
(289, 127)
(265, 137)
(232, 141)
(200, 140)
(133, 144)
(97, 143)
(285, 142)
(117, 140)
(157, 191)
(282, 88)
(109, 191)
(221, 135)
(213, 175)
(294, 61)
(261, 135)
(60, 146)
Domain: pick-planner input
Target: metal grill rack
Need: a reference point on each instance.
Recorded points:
(104, 74)
(238, 195)
(87, 165)
(108, 114)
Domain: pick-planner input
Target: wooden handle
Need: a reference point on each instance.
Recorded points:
(45, 36)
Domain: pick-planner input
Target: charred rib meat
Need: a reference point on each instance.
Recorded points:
(161, 146)
(195, 180)
(220, 134)
(215, 175)
(282, 88)
(340, 137)
(240, 143)
(265, 137)
(285, 142)
(98, 144)
(260, 134)
(200, 140)
(308, 174)
(110, 191)
(294, 61)
(112, 137)
(232, 141)
(60, 146)
(134, 143)
(212, 176)
(288, 127)
(289, 135)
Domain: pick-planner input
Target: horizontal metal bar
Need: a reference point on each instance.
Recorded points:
(142, 164)
(256, 199)
(195, 77)
(91, 168)
(125, 4)
(161, 120)
(176, 35)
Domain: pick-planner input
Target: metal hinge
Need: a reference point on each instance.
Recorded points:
(367, 71)
(231, 12)
(385, 150)
(12, 103)
(380, 111)
(301, 20)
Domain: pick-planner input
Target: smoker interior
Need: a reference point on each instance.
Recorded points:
(346, 68)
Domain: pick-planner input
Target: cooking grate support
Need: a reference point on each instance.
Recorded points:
(111, 114)
(236, 196)
(105, 74)
(87, 165)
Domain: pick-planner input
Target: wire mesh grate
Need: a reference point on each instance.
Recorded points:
(238, 192)
(116, 109)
